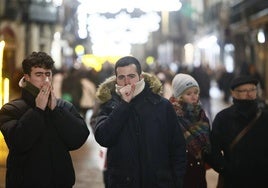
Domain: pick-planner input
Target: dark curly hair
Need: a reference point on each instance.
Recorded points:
(37, 59)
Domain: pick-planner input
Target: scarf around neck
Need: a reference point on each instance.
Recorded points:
(29, 87)
(246, 108)
(195, 127)
(139, 86)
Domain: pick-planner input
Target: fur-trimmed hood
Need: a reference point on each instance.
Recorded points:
(105, 89)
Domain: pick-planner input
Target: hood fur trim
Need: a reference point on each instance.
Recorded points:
(105, 89)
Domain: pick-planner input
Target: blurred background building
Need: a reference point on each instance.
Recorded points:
(226, 36)
(219, 33)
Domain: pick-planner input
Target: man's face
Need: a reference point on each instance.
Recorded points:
(38, 76)
(245, 92)
(127, 75)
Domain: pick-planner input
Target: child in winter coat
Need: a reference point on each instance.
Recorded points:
(195, 126)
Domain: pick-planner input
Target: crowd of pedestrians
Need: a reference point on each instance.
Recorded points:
(156, 125)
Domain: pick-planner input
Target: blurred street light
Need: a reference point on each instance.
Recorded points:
(115, 27)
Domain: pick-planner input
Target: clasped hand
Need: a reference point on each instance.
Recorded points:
(46, 97)
(127, 92)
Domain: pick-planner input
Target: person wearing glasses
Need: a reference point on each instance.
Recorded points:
(239, 138)
(139, 128)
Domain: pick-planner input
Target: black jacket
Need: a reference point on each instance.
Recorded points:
(39, 143)
(145, 144)
(246, 165)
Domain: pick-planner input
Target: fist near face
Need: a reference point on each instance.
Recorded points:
(126, 91)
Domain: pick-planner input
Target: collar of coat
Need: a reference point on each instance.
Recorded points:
(105, 89)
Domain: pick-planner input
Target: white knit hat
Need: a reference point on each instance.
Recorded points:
(181, 82)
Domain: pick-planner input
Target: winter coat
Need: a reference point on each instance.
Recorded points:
(246, 164)
(146, 147)
(196, 129)
(39, 143)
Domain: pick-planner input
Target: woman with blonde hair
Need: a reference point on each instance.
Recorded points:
(195, 126)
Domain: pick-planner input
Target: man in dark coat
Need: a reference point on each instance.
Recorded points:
(242, 162)
(146, 147)
(40, 130)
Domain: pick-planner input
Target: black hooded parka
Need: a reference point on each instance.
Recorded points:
(146, 147)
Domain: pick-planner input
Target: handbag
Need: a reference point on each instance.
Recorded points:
(244, 131)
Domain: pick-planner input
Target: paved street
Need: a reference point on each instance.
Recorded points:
(87, 165)
(87, 161)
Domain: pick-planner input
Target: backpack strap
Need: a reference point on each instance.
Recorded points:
(245, 130)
